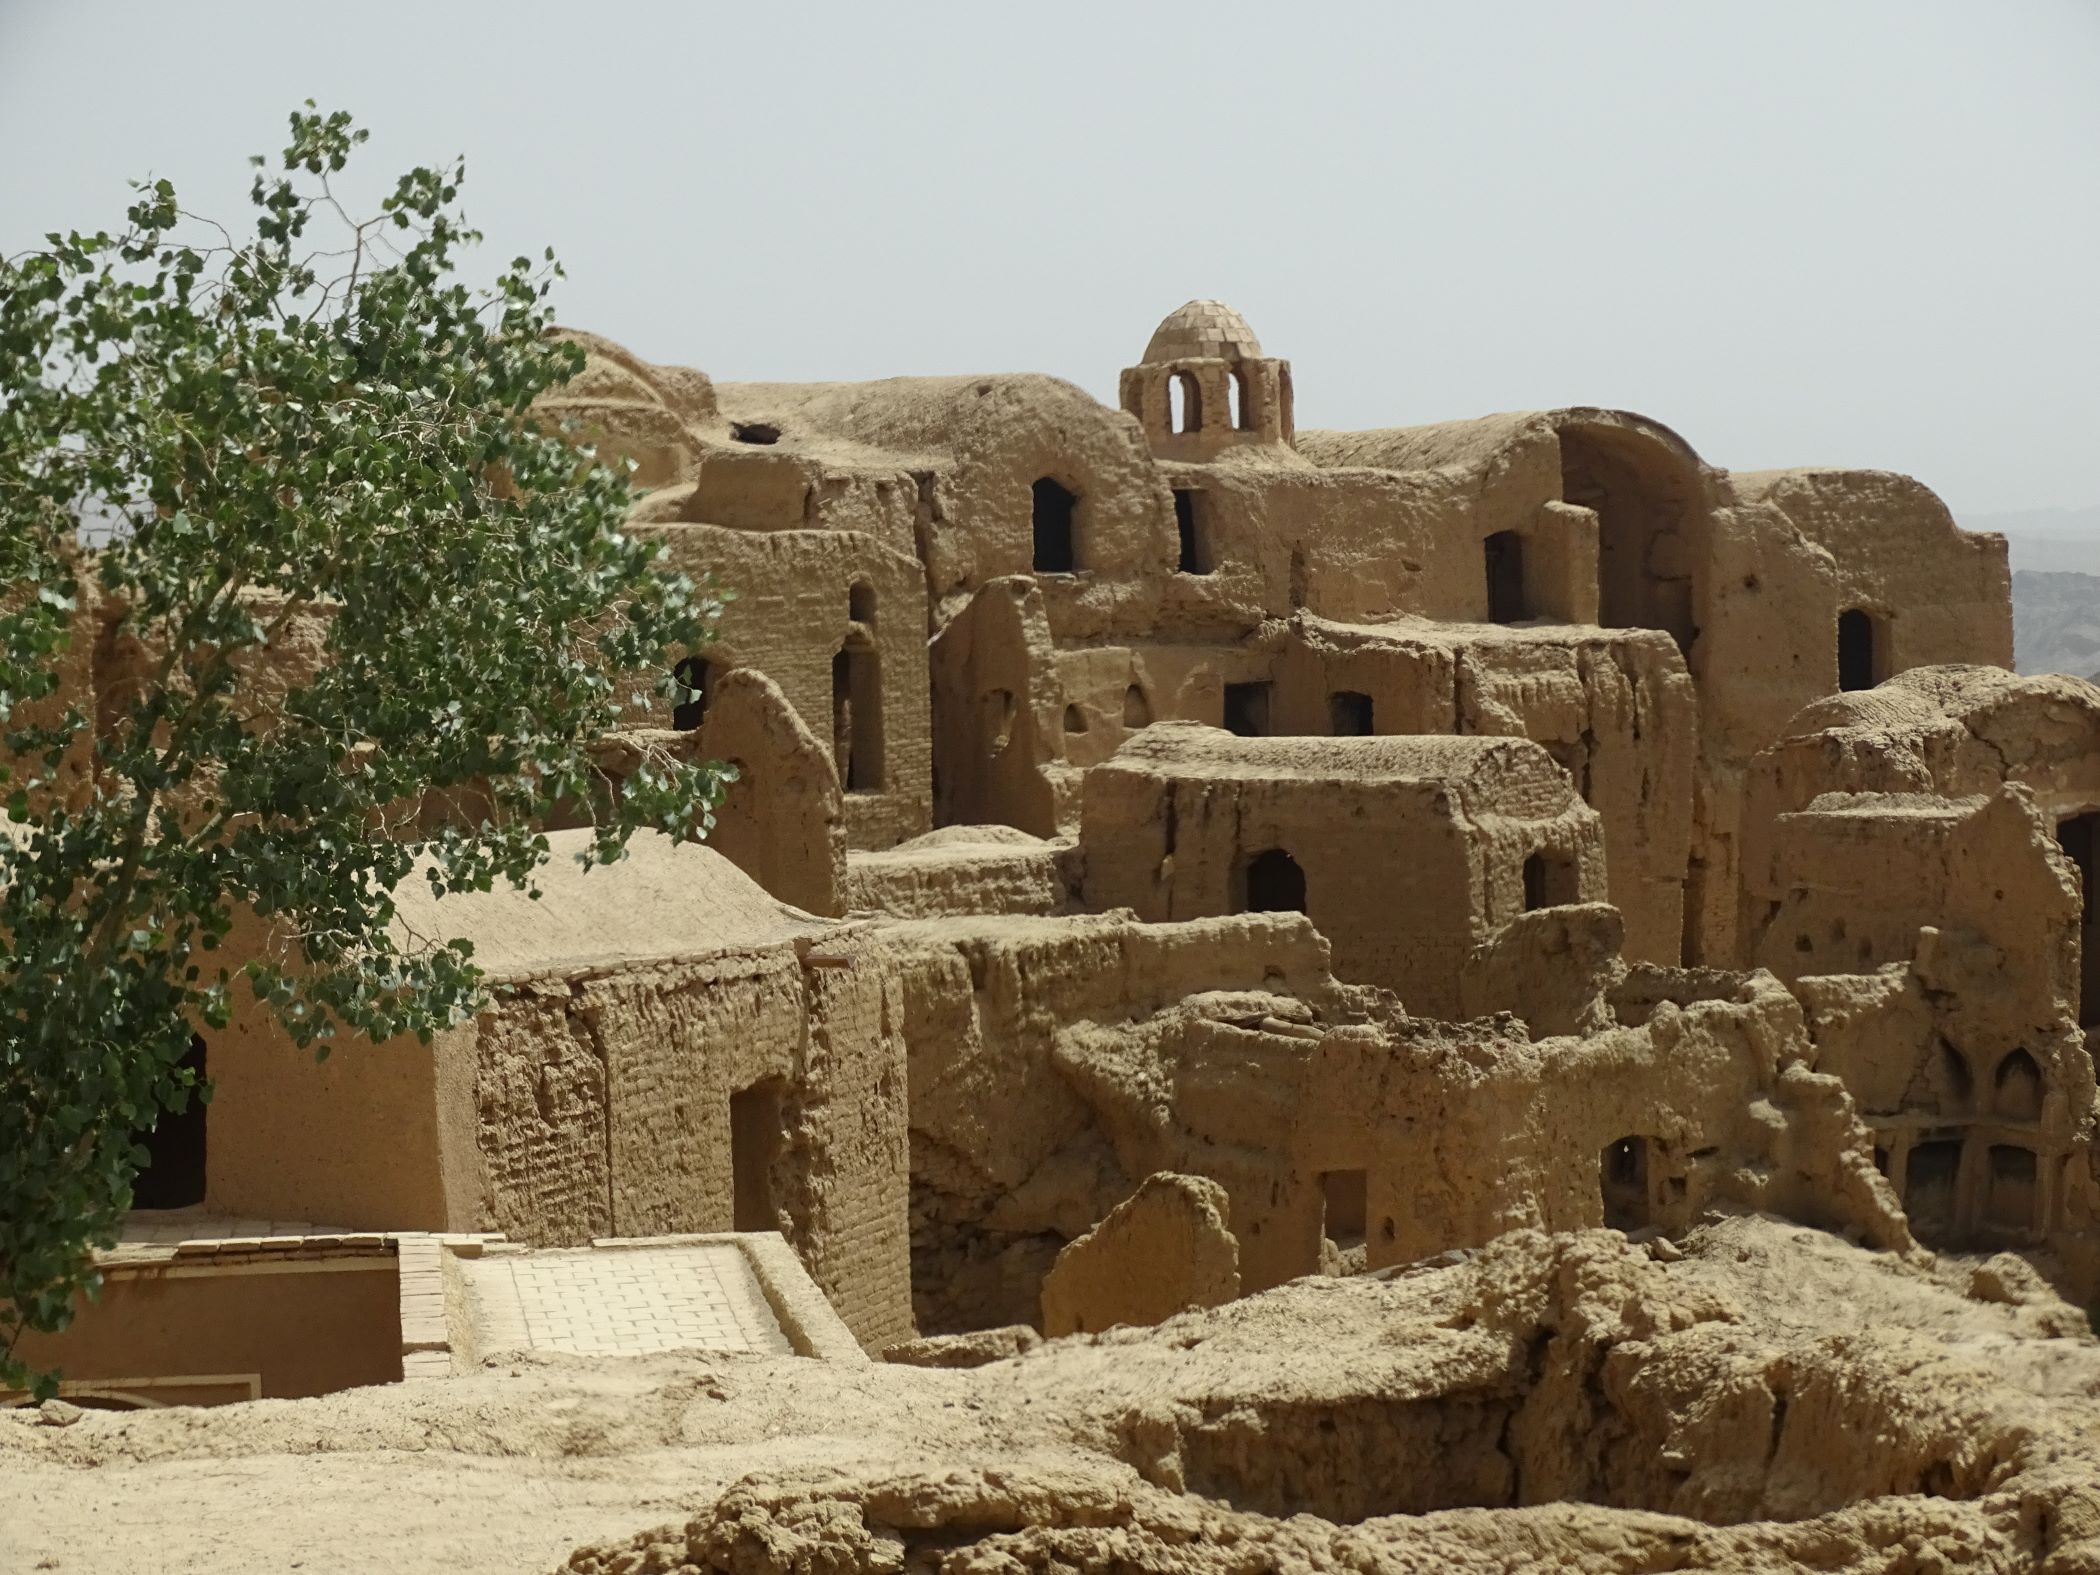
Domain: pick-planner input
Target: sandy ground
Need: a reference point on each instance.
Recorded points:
(512, 1467)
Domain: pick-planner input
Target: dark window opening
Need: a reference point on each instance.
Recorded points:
(1243, 414)
(2017, 1089)
(1349, 714)
(1344, 1199)
(860, 603)
(1075, 719)
(1623, 1175)
(1272, 882)
(1184, 402)
(2079, 837)
(1928, 1184)
(856, 719)
(1505, 578)
(1056, 551)
(1859, 662)
(754, 431)
(754, 1146)
(1247, 710)
(1301, 578)
(696, 680)
(173, 1177)
(2010, 1204)
(1193, 527)
(1137, 710)
(1550, 881)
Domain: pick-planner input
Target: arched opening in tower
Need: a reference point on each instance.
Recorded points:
(1056, 548)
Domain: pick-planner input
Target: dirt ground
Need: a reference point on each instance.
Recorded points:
(1773, 1398)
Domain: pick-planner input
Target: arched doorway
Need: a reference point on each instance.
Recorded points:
(1644, 489)
(174, 1174)
(1272, 882)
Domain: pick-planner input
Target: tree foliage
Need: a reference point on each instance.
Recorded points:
(312, 434)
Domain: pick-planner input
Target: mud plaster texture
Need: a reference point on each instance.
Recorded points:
(1769, 1399)
(1575, 964)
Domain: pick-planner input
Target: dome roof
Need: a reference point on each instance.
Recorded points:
(1202, 329)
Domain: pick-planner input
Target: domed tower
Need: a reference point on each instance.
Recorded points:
(1204, 385)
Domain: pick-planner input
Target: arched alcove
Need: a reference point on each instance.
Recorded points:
(1272, 882)
(2016, 1090)
(1137, 710)
(1644, 490)
(1622, 1178)
(860, 603)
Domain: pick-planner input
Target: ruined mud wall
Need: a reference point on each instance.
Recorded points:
(1617, 711)
(1407, 853)
(838, 622)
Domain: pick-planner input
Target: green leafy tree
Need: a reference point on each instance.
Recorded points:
(315, 434)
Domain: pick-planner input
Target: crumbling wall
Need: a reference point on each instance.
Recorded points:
(1407, 853)
(1616, 710)
(998, 709)
(832, 618)
(1162, 1250)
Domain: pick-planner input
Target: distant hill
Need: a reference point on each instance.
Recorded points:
(2056, 622)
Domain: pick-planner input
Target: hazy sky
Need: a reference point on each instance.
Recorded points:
(1863, 232)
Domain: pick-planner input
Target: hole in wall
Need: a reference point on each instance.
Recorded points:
(754, 432)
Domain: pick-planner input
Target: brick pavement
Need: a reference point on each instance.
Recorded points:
(621, 1301)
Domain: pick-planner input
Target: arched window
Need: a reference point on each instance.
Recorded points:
(1184, 403)
(696, 680)
(1243, 414)
(1623, 1177)
(1056, 549)
(1505, 578)
(1859, 654)
(1137, 710)
(1192, 528)
(1272, 882)
(174, 1144)
(860, 603)
(1075, 719)
(856, 718)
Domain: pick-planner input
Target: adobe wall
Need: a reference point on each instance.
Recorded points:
(1449, 1135)
(1616, 709)
(294, 1329)
(1007, 1161)
(792, 618)
(359, 1140)
(605, 1109)
(1174, 823)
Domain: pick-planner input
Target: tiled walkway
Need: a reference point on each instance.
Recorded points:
(621, 1301)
